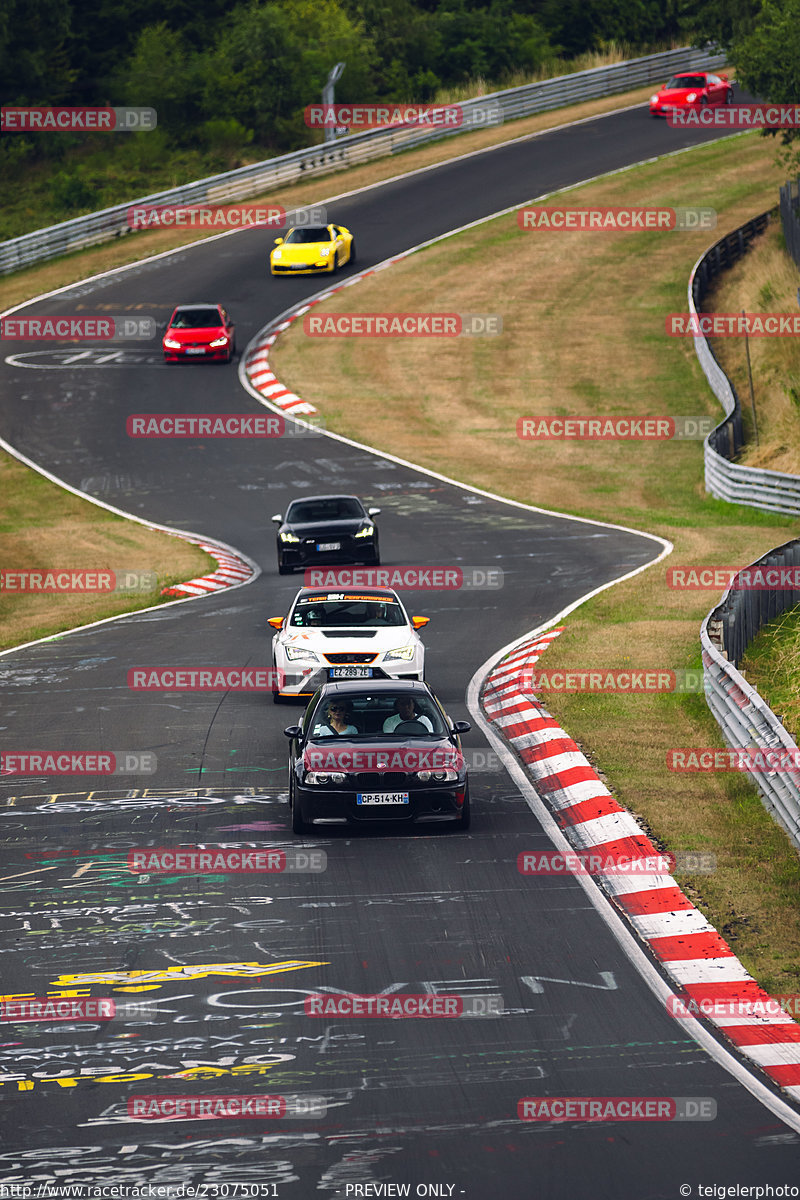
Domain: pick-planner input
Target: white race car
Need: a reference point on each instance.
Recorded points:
(360, 633)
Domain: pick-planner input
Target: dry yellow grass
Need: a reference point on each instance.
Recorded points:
(766, 280)
(43, 527)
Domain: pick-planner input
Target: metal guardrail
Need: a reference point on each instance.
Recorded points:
(258, 178)
(745, 718)
(790, 217)
(742, 714)
(770, 491)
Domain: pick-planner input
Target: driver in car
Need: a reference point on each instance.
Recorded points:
(405, 709)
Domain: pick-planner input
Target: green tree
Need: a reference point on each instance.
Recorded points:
(273, 59)
(35, 64)
(767, 61)
(722, 22)
(162, 73)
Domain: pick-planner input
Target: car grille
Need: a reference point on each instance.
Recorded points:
(380, 781)
(350, 659)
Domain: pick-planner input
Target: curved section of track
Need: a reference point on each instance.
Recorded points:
(211, 971)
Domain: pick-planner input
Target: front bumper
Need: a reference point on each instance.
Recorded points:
(304, 681)
(219, 354)
(305, 553)
(428, 803)
(326, 267)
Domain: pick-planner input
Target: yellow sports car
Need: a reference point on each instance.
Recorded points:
(308, 249)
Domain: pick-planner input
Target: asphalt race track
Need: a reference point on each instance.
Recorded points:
(209, 972)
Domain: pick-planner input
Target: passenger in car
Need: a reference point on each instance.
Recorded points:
(337, 720)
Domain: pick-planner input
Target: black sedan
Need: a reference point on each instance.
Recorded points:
(320, 530)
(376, 753)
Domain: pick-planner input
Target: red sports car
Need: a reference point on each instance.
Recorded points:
(199, 331)
(690, 90)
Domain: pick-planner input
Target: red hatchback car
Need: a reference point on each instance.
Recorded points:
(200, 331)
(690, 90)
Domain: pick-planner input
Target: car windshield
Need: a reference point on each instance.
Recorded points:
(319, 613)
(298, 237)
(196, 318)
(339, 508)
(686, 81)
(379, 716)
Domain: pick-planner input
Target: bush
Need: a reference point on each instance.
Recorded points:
(71, 191)
(225, 138)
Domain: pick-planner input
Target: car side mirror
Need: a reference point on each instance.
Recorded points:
(278, 519)
(293, 731)
(419, 622)
(276, 622)
(461, 727)
(278, 241)
(373, 512)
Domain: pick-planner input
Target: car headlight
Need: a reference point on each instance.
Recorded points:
(691, 97)
(325, 251)
(220, 341)
(277, 255)
(294, 653)
(402, 652)
(446, 776)
(324, 777)
(654, 99)
(171, 344)
(288, 537)
(367, 531)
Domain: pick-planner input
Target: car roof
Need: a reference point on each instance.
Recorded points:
(381, 593)
(197, 304)
(329, 496)
(366, 687)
